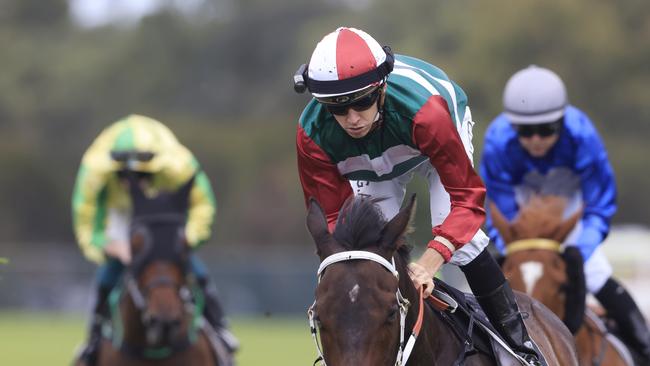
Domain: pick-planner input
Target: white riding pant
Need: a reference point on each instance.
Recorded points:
(392, 192)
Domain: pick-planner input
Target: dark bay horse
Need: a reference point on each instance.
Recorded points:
(366, 305)
(156, 321)
(537, 264)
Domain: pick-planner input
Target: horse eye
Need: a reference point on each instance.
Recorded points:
(392, 314)
(317, 320)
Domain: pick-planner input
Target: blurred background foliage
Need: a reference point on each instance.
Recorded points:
(220, 77)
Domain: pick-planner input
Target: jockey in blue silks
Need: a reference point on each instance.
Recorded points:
(542, 145)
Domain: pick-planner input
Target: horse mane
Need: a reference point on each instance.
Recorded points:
(541, 217)
(360, 226)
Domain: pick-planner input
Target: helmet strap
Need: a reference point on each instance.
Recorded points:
(379, 117)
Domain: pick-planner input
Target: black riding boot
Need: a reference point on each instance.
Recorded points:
(100, 313)
(632, 325)
(496, 298)
(214, 315)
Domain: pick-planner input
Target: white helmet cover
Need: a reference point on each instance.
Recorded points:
(534, 95)
(345, 61)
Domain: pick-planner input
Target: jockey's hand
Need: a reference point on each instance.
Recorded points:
(120, 250)
(424, 269)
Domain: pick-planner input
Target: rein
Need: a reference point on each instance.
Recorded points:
(404, 350)
(531, 244)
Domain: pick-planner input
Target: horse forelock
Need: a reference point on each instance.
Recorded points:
(359, 224)
(359, 227)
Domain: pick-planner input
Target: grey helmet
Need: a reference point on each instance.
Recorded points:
(534, 95)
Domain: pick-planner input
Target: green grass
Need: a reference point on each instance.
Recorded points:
(30, 339)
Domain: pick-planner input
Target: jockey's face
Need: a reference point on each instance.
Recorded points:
(358, 123)
(536, 145)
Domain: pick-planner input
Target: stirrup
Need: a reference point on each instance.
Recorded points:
(532, 360)
(533, 356)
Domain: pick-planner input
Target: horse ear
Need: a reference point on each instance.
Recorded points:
(398, 226)
(565, 228)
(501, 223)
(317, 226)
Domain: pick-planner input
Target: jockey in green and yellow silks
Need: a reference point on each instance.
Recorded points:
(99, 194)
(101, 208)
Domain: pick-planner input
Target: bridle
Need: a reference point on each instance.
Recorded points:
(404, 350)
(138, 292)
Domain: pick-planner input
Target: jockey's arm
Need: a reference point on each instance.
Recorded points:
(598, 193)
(89, 210)
(436, 136)
(201, 211)
(320, 178)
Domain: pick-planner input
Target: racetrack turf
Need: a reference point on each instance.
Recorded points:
(38, 339)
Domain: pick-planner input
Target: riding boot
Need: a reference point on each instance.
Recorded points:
(502, 310)
(630, 321)
(214, 315)
(496, 298)
(90, 351)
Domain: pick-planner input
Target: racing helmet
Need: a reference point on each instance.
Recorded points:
(346, 65)
(141, 144)
(534, 95)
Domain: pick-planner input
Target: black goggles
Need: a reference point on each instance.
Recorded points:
(542, 129)
(124, 156)
(360, 104)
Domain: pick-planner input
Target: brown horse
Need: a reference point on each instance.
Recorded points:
(537, 264)
(155, 319)
(366, 303)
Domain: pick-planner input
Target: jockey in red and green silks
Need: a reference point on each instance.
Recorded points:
(101, 205)
(375, 121)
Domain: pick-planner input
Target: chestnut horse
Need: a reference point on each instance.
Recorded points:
(366, 304)
(156, 321)
(537, 264)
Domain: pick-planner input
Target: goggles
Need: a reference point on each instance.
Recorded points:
(124, 156)
(542, 129)
(359, 101)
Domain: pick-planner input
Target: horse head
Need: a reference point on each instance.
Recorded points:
(537, 264)
(156, 278)
(359, 308)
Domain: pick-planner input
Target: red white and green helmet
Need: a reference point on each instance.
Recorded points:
(347, 64)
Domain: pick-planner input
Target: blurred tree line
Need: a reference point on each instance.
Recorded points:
(221, 79)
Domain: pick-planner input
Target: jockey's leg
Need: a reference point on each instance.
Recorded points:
(496, 298)
(107, 277)
(621, 307)
(213, 311)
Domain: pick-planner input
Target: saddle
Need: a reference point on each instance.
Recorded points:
(469, 323)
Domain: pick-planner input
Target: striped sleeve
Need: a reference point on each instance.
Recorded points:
(89, 212)
(320, 177)
(201, 212)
